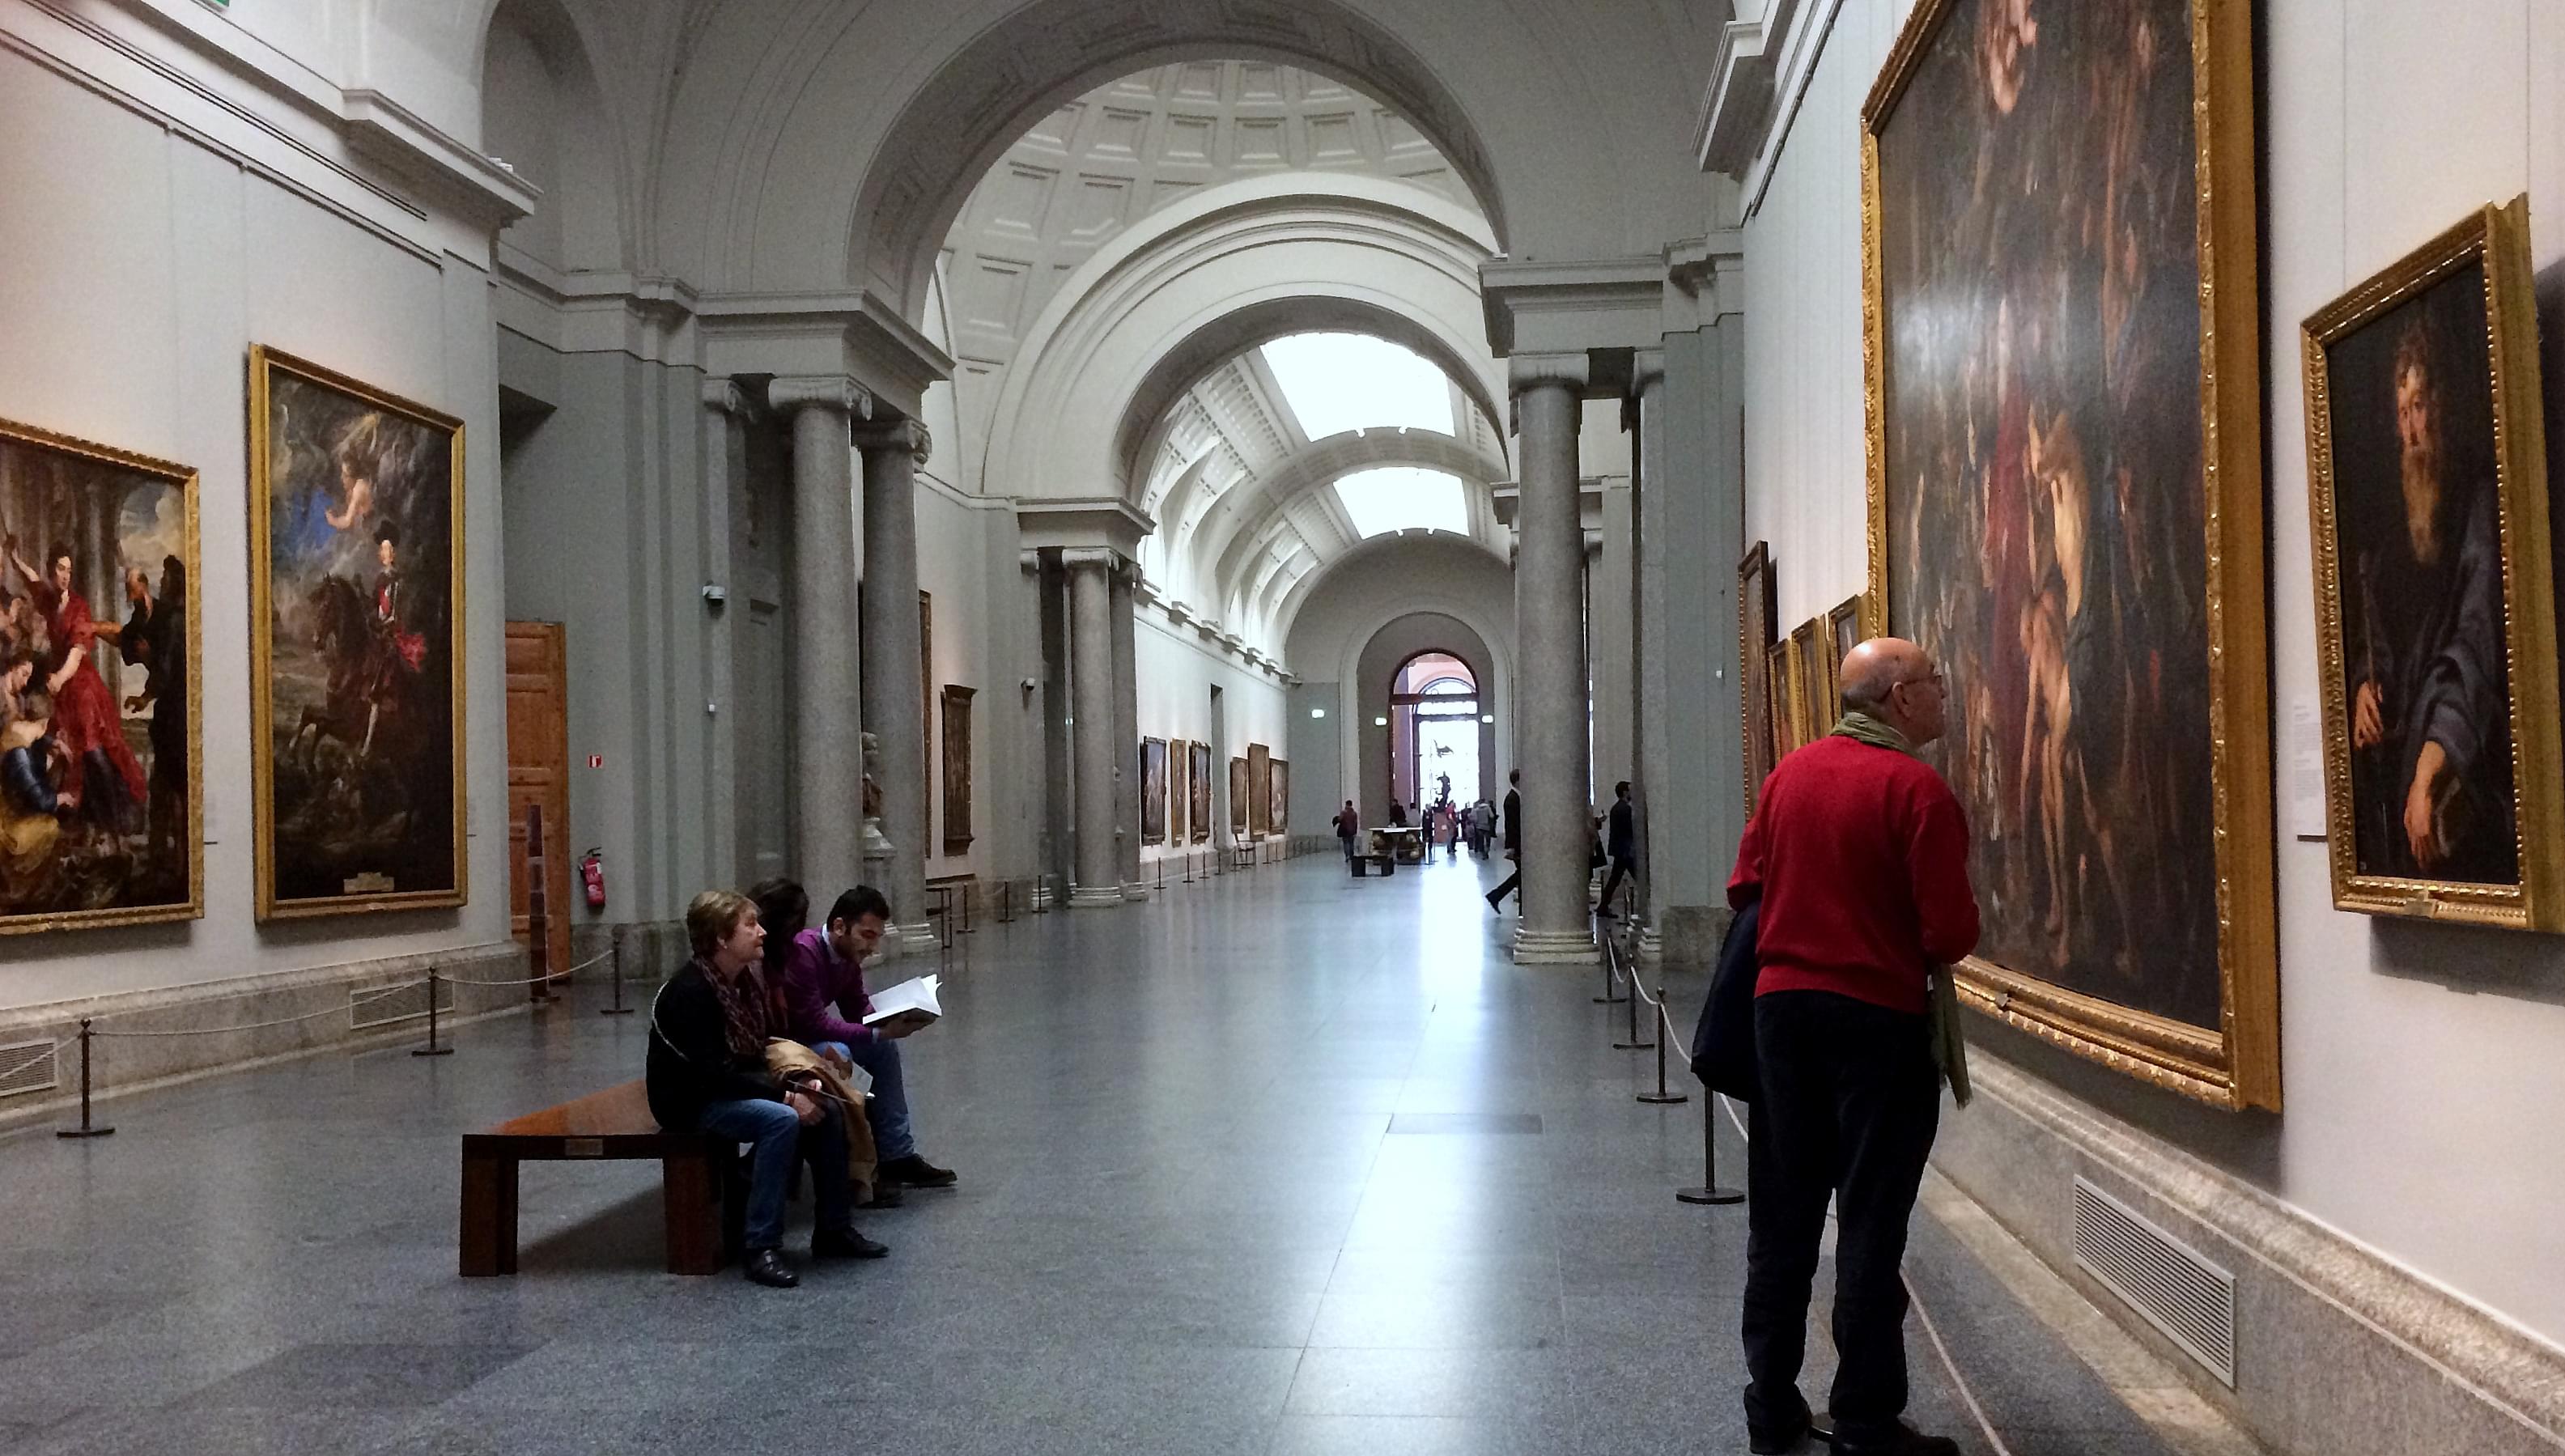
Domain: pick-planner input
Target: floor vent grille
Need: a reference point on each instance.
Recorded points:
(30, 1067)
(383, 1006)
(2179, 1292)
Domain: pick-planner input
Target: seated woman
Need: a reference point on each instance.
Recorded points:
(707, 1073)
(825, 1001)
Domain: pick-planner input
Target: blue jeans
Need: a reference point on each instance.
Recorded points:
(886, 1106)
(775, 1138)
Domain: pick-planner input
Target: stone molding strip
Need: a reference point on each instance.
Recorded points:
(2453, 1351)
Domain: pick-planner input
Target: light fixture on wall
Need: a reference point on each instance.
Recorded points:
(1317, 712)
(1380, 722)
(1487, 717)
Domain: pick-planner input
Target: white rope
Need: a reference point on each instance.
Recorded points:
(29, 1062)
(256, 1026)
(598, 958)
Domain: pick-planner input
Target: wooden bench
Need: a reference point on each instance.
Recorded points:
(614, 1124)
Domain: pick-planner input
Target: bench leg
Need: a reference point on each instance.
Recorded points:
(489, 1238)
(690, 1192)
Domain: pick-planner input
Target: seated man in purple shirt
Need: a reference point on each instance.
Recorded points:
(826, 1003)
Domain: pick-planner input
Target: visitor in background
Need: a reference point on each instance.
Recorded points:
(1348, 824)
(783, 909)
(1514, 846)
(1397, 816)
(707, 1074)
(1858, 853)
(1621, 842)
(826, 1004)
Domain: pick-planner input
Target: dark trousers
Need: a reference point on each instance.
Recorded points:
(1513, 884)
(1850, 1105)
(1623, 865)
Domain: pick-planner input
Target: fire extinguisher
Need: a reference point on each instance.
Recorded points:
(592, 875)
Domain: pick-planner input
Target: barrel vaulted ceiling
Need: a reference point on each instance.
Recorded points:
(1238, 489)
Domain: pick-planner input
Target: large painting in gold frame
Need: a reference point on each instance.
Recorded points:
(356, 727)
(2060, 325)
(101, 732)
(2436, 625)
(1759, 626)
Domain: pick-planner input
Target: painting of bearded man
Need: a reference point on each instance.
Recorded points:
(2418, 490)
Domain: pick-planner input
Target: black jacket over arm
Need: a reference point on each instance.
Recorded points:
(691, 1063)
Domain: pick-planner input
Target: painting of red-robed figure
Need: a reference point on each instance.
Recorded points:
(99, 805)
(356, 664)
(2065, 507)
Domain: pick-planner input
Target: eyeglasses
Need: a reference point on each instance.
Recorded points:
(1933, 677)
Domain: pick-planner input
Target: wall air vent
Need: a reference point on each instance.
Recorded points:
(2179, 1292)
(30, 1067)
(383, 1005)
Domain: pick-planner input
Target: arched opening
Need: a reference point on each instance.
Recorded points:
(1434, 720)
(544, 115)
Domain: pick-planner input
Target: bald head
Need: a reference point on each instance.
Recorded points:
(1875, 671)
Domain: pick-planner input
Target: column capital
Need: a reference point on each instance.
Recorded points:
(1029, 562)
(820, 391)
(724, 397)
(1091, 557)
(1647, 368)
(1530, 371)
(901, 434)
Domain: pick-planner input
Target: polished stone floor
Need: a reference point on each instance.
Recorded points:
(1284, 1163)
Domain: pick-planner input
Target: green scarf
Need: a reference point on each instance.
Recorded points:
(1942, 1008)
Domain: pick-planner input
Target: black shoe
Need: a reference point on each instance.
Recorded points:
(886, 1194)
(1496, 904)
(766, 1267)
(916, 1173)
(1788, 1431)
(846, 1244)
(1904, 1441)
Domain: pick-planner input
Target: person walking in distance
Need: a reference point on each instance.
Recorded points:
(1348, 824)
(1858, 853)
(1621, 842)
(1514, 845)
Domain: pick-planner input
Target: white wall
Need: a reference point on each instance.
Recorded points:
(1177, 670)
(129, 309)
(2421, 1064)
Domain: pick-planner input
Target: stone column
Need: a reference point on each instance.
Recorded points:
(1647, 630)
(725, 475)
(1549, 696)
(1126, 732)
(827, 750)
(893, 671)
(1092, 724)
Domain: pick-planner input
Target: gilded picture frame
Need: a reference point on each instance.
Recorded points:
(436, 838)
(1199, 784)
(1279, 811)
(1153, 791)
(1238, 798)
(143, 514)
(1758, 627)
(1843, 626)
(2381, 425)
(1785, 705)
(1260, 790)
(956, 762)
(1179, 796)
(1812, 678)
(2132, 163)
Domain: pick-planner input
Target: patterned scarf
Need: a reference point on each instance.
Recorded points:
(742, 1003)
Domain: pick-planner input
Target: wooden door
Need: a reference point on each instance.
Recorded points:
(538, 774)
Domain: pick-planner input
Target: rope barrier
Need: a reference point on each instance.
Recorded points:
(259, 1026)
(530, 980)
(29, 1062)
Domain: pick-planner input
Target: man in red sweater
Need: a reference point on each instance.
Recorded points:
(1859, 853)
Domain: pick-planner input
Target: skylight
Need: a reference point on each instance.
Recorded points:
(1335, 382)
(1403, 498)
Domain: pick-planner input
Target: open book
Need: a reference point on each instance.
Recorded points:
(910, 1001)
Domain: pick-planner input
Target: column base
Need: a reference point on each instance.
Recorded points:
(1095, 896)
(1652, 948)
(920, 937)
(1136, 894)
(1555, 947)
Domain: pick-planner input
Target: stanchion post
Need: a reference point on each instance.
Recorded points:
(614, 965)
(431, 1048)
(86, 1128)
(1608, 998)
(1611, 952)
(538, 936)
(1709, 1192)
(1661, 1097)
